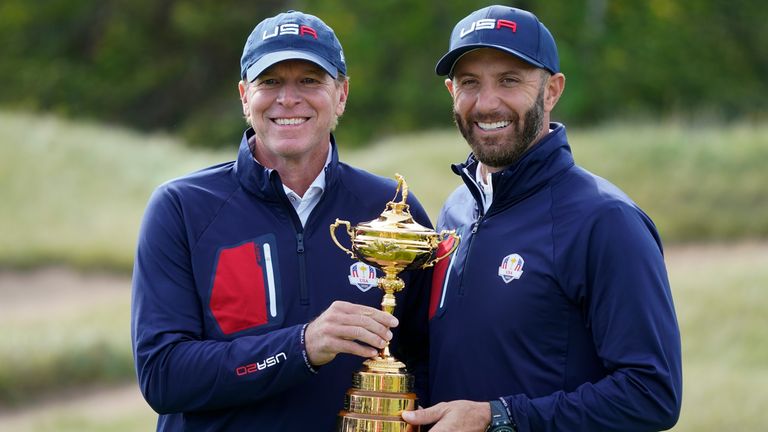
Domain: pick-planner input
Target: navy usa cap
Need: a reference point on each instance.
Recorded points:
(509, 29)
(291, 35)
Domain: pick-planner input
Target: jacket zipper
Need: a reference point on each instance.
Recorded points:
(475, 225)
(299, 230)
(303, 289)
(465, 268)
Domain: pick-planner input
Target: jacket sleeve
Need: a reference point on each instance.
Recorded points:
(178, 370)
(616, 273)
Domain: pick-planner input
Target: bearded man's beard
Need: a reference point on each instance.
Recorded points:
(503, 150)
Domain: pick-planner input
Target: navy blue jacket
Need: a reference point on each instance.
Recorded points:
(557, 301)
(225, 280)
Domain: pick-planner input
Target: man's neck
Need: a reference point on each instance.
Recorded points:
(484, 170)
(296, 173)
(300, 175)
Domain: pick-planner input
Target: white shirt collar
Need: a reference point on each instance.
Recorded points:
(486, 185)
(304, 205)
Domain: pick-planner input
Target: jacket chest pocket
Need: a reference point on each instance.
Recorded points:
(441, 276)
(245, 287)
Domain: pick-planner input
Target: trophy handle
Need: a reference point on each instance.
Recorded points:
(443, 235)
(349, 232)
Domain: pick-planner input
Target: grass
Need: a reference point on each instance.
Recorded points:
(40, 354)
(701, 182)
(720, 299)
(74, 193)
(62, 421)
(96, 410)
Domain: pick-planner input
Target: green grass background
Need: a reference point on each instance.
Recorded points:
(73, 194)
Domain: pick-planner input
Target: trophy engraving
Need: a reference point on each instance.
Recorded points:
(393, 242)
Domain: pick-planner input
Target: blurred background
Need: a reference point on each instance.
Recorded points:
(101, 101)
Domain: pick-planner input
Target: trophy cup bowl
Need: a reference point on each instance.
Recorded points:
(393, 242)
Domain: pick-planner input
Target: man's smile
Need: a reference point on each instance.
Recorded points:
(493, 125)
(290, 121)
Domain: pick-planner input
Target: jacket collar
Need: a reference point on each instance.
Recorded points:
(538, 166)
(265, 182)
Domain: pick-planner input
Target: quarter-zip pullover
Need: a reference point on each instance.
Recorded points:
(557, 301)
(225, 280)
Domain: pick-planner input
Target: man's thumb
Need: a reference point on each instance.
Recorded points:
(422, 416)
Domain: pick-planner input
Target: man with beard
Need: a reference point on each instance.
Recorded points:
(555, 313)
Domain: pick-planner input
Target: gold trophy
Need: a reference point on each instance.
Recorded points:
(393, 242)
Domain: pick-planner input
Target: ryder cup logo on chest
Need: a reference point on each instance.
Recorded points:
(511, 267)
(362, 276)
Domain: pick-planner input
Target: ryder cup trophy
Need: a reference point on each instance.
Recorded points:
(393, 242)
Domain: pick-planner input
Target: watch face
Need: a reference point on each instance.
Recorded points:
(503, 428)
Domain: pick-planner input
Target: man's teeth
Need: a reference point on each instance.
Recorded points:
(494, 125)
(290, 121)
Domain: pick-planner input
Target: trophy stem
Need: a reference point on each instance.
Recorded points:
(387, 305)
(388, 302)
(390, 284)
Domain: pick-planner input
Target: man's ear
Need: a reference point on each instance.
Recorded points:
(449, 85)
(343, 96)
(242, 87)
(553, 90)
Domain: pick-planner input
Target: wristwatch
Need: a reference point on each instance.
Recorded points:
(500, 421)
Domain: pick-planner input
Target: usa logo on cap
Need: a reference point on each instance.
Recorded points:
(511, 268)
(362, 276)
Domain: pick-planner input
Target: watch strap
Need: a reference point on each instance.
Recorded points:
(499, 416)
